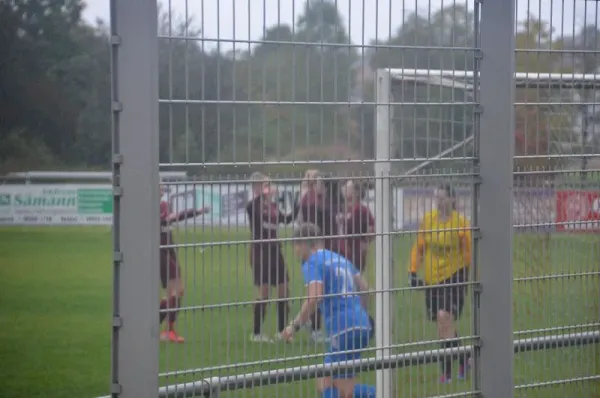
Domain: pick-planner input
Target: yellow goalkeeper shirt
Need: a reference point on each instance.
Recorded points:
(443, 247)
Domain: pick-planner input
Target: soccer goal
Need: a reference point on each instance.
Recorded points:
(428, 134)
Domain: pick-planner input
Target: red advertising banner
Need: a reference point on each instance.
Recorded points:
(578, 211)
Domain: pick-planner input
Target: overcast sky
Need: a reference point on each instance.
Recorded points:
(364, 19)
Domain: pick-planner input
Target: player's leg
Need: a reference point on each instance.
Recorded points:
(260, 312)
(458, 303)
(445, 326)
(316, 327)
(464, 361)
(449, 307)
(343, 383)
(361, 341)
(361, 265)
(164, 278)
(281, 279)
(175, 291)
(435, 303)
(260, 268)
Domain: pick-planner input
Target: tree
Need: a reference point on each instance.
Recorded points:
(93, 142)
(541, 126)
(586, 59)
(418, 41)
(197, 121)
(281, 100)
(321, 23)
(41, 89)
(312, 76)
(274, 35)
(426, 130)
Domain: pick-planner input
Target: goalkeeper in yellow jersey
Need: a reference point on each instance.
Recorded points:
(443, 249)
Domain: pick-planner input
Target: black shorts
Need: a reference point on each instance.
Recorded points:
(169, 267)
(447, 297)
(268, 265)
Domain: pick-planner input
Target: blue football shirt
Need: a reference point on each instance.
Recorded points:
(341, 306)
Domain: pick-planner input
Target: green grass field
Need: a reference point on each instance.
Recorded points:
(56, 300)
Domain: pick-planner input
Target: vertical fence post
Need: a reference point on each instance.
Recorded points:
(383, 264)
(495, 198)
(135, 180)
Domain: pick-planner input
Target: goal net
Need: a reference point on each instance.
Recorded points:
(433, 137)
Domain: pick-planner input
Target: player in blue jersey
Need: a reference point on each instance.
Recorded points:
(334, 285)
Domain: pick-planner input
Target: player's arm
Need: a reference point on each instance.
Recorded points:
(416, 253)
(310, 213)
(183, 215)
(296, 209)
(313, 277)
(164, 213)
(254, 212)
(363, 289)
(465, 241)
(368, 221)
(315, 293)
(250, 210)
(287, 218)
(416, 257)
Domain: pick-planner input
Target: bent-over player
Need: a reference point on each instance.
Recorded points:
(443, 248)
(266, 254)
(314, 208)
(335, 286)
(170, 271)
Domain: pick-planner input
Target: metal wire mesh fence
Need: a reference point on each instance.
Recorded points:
(469, 207)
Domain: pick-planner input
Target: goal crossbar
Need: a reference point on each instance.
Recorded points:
(463, 79)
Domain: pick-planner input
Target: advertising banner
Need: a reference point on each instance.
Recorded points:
(532, 207)
(56, 204)
(578, 211)
(90, 204)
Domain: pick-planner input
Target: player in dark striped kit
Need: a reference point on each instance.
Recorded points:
(357, 224)
(170, 271)
(266, 254)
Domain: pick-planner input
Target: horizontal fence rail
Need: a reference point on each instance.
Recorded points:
(212, 386)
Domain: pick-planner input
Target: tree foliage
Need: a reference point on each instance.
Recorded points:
(538, 126)
(585, 47)
(281, 99)
(432, 118)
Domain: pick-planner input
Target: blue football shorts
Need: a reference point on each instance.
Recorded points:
(341, 348)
